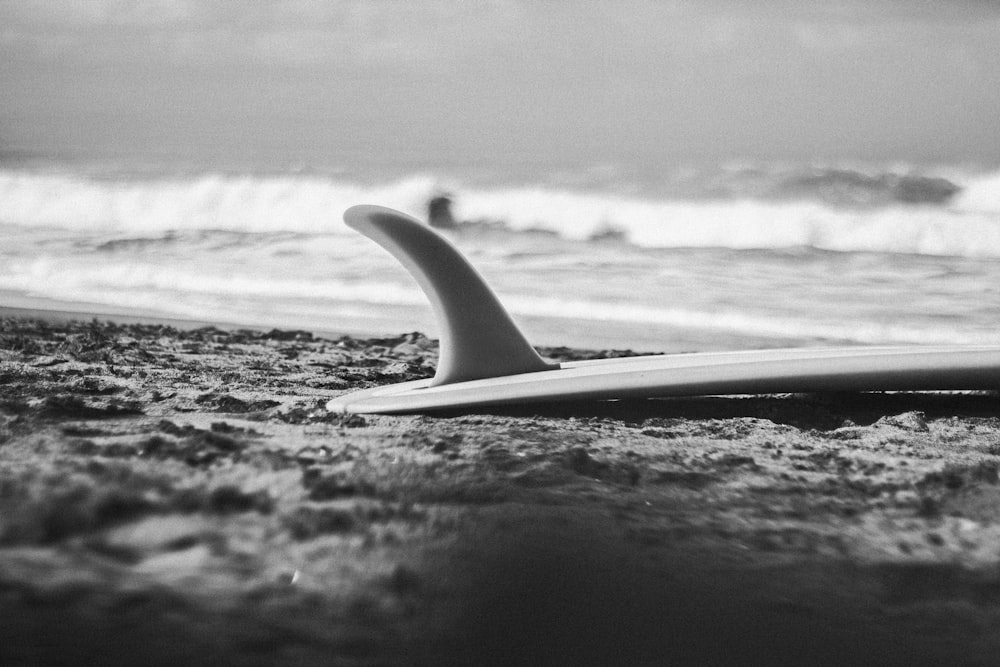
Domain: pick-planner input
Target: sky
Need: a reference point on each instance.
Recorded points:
(640, 81)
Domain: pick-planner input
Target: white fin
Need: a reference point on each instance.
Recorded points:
(478, 337)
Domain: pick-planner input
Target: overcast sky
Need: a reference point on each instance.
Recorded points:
(646, 81)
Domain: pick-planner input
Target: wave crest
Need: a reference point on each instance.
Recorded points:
(969, 225)
(243, 203)
(743, 223)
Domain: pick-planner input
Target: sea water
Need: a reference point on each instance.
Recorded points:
(695, 258)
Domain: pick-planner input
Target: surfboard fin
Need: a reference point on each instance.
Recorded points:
(478, 337)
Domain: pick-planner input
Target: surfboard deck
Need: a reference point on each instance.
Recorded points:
(756, 372)
(486, 361)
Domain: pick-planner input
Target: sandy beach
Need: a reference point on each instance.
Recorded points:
(181, 495)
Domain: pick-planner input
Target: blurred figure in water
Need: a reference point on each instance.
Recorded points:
(439, 212)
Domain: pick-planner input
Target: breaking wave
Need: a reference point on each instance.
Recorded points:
(900, 214)
(239, 203)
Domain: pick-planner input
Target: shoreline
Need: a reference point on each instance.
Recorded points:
(65, 312)
(62, 315)
(182, 493)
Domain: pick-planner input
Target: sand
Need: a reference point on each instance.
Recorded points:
(182, 496)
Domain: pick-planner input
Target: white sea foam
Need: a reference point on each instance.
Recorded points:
(99, 282)
(243, 203)
(981, 194)
(969, 226)
(249, 298)
(745, 223)
(283, 258)
(749, 323)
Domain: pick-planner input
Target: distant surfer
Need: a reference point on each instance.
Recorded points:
(439, 212)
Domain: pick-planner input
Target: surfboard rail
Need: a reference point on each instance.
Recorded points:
(485, 360)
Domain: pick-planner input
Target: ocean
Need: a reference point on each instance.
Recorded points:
(705, 257)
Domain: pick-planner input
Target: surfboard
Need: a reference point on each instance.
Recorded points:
(485, 360)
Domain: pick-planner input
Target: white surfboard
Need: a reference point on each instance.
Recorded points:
(485, 360)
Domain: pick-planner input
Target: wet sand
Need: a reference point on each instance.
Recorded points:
(173, 495)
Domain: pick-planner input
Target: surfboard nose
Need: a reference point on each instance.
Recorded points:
(479, 339)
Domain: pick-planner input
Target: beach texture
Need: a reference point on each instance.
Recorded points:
(178, 496)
